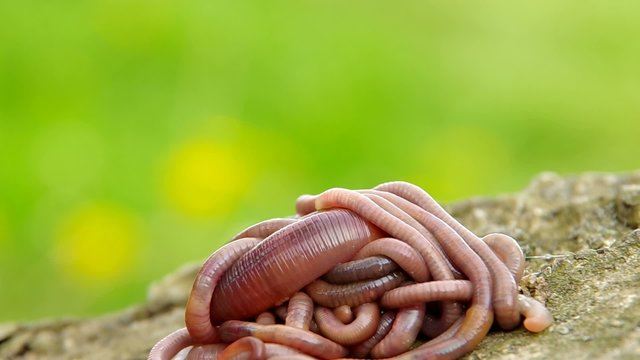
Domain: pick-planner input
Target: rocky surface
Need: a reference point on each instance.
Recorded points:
(581, 237)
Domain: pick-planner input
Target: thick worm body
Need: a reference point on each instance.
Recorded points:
(357, 273)
(287, 261)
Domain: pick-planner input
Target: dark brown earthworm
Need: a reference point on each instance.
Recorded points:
(360, 329)
(305, 341)
(363, 269)
(402, 254)
(299, 311)
(444, 335)
(403, 333)
(433, 328)
(509, 252)
(288, 260)
(198, 307)
(505, 288)
(354, 294)
(248, 347)
(281, 312)
(384, 326)
(452, 290)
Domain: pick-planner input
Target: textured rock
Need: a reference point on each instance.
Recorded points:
(580, 234)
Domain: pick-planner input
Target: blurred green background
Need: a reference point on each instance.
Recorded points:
(136, 135)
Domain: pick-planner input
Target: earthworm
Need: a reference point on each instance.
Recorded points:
(509, 252)
(266, 318)
(353, 294)
(299, 311)
(206, 352)
(505, 289)
(384, 326)
(265, 228)
(537, 317)
(402, 254)
(198, 309)
(305, 341)
(383, 200)
(403, 333)
(367, 268)
(280, 350)
(251, 346)
(357, 331)
(171, 344)
(479, 315)
(385, 272)
(438, 266)
(343, 313)
(286, 261)
(456, 290)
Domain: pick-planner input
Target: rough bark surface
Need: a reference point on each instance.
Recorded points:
(580, 233)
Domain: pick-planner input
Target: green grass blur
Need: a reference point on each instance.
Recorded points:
(136, 135)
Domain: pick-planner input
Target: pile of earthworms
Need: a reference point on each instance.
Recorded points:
(377, 273)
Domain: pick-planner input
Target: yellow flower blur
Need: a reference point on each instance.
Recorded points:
(97, 242)
(204, 178)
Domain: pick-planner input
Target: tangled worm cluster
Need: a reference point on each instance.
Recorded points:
(374, 273)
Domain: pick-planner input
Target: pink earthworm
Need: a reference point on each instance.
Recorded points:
(198, 308)
(438, 266)
(274, 350)
(170, 345)
(251, 347)
(384, 326)
(509, 252)
(343, 313)
(266, 318)
(505, 288)
(382, 199)
(401, 253)
(287, 261)
(299, 311)
(403, 333)
(479, 315)
(265, 228)
(537, 317)
(359, 273)
(357, 331)
(305, 341)
(452, 290)
(206, 352)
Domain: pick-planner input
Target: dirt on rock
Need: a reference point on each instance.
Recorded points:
(580, 235)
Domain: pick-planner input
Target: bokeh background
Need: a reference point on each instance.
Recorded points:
(136, 135)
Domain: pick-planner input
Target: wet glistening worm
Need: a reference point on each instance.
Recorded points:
(379, 273)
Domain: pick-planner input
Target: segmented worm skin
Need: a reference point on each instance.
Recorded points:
(377, 273)
(367, 268)
(288, 260)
